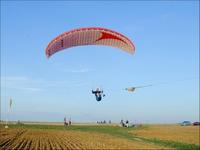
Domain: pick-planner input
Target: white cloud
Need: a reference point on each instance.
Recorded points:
(36, 85)
(83, 70)
(19, 83)
(28, 89)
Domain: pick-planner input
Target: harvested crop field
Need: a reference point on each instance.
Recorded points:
(23, 138)
(28, 136)
(184, 134)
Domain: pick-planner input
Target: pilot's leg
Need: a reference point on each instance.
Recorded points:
(98, 98)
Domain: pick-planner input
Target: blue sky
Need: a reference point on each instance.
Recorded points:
(166, 37)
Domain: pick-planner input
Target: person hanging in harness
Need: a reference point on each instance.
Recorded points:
(98, 94)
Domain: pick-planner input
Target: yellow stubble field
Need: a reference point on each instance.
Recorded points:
(184, 134)
(58, 139)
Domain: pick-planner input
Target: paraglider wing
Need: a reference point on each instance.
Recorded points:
(89, 36)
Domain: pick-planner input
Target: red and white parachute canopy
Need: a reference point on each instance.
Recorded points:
(89, 36)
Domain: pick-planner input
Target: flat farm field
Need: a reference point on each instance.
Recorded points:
(184, 134)
(82, 137)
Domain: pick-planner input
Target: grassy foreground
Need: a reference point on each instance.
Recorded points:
(116, 131)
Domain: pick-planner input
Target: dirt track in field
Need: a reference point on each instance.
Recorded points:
(54, 139)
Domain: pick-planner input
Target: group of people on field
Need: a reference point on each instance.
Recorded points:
(67, 123)
(124, 124)
(103, 122)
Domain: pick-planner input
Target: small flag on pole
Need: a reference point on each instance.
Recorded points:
(10, 103)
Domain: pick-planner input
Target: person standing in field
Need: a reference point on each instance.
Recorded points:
(70, 122)
(127, 123)
(65, 122)
(122, 123)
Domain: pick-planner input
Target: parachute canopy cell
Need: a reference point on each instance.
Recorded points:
(89, 36)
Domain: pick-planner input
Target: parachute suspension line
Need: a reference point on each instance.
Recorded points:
(144, 86)
(93, 87)
(177, 81)
(100, 87)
